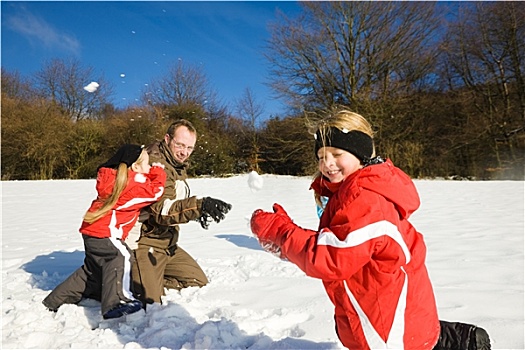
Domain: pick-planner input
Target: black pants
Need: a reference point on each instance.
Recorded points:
(452, 336)
(455, 336)
(105, 276)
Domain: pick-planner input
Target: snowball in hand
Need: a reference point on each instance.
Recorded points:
(255, 181)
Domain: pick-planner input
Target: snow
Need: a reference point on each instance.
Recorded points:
(91, 87)
(474, 233)
(255, 181)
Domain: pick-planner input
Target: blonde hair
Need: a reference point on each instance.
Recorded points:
(342, 118)
(121, 181)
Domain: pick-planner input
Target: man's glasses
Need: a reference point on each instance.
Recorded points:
(181, 146)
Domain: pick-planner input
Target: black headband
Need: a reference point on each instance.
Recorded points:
(356, 142)
(127, 154)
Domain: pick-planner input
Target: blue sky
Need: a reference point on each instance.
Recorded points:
(131, 42)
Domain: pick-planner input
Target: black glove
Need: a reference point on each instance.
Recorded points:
(213, 209)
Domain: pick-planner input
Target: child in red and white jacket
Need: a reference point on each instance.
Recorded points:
(370, 258)
(126, 183)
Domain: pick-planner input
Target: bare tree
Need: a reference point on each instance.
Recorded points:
(351, 52)
(249, 110)
(485, 58)
(182, 85)
(67, 84)
(16, 87)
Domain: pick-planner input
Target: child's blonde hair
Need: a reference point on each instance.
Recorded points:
(121, 181)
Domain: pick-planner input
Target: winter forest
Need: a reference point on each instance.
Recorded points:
(446, 95)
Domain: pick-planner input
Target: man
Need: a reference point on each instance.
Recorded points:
(159, 262)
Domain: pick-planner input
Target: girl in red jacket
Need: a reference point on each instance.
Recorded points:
(370, 258)
(125, 184)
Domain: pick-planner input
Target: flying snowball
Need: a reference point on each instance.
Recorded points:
(123, 75)
(91, 87)
(255, 181)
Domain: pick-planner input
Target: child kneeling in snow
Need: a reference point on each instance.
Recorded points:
(125, 184)
(370, 258)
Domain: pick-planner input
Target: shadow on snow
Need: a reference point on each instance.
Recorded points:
(162, 326)
(47, 271)
(242, 241)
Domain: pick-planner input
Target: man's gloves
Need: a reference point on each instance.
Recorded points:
(213, 210)
(269, 228)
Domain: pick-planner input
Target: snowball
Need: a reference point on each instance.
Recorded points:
(255, 181)
(91, 87)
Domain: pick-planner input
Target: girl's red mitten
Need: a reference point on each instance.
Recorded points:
(269, 228)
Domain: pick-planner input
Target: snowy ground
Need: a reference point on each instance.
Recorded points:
(474, 232)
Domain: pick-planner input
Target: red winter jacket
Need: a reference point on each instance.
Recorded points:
(371, 261)
(141, 191)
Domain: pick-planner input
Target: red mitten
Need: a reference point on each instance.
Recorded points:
(269, 228)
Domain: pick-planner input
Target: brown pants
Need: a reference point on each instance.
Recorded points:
(154, 269)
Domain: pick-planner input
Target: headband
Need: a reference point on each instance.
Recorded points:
(356, 142)
(127, 154)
